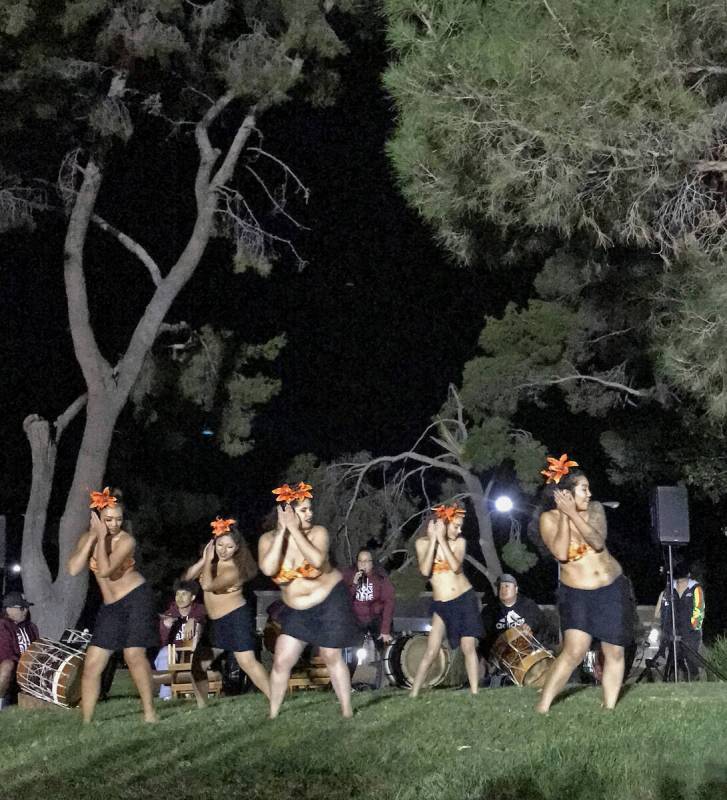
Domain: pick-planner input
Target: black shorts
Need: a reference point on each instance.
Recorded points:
(606, 613)
(129, 622)
(235, 632)
(461, 617)
(331, 623)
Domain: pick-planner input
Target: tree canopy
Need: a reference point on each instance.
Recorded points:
(589, 139)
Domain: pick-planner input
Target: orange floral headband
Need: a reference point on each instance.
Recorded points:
(448, 513)
(286, 494)
(557, 468)
(221, 526)
(101, 500)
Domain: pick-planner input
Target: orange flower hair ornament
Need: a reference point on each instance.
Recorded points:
(557, 468)
(287, 494)
(448, 513)
(221, 526)
(101, 500)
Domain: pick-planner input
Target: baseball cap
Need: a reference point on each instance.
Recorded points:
(506, 578)
(16, 600)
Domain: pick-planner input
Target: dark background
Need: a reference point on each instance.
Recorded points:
(378, 323)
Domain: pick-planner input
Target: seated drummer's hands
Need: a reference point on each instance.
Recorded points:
(386, 638)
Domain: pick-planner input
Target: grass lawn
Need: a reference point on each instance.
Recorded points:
(662, 742)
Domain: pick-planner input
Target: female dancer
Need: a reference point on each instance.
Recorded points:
(456, 609)
(126, 621)
(594, 597)
(225, 565)
(317, 605)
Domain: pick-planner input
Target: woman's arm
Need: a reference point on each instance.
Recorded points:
(555, 533)
(78, 560)
(593, 530)
(228, 577)
(270, 552)
(425, 548)
(270, 547)
(453, 553)
(192, 573)
(314, 549)
(122, 549)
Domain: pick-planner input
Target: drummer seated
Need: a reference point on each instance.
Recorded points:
(17, 631)
(182, 621)
(510, 610)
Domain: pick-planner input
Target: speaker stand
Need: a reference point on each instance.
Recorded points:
(673, 615)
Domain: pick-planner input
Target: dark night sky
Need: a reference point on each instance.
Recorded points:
(378, 323)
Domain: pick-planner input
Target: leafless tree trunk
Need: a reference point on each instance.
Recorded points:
(60, 599)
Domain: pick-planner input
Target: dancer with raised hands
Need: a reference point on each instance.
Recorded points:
(317, 604)
(126, 620)
(594, 596)
(455, 606)
(224, 567)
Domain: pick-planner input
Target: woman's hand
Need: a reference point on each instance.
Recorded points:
(281, 527)
(432, 529)
(209, 551)
(97, 528)
(292, 523)
(565, 502)
(440, 529)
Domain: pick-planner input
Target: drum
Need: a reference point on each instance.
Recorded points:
(403, 656)
(592, 666)
(521, 656)
(79, 640)
(51, 671)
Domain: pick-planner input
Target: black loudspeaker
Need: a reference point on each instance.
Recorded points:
(670, 515)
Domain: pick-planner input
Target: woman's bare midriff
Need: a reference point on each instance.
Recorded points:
(448, 585)
(303, 593)
(593, 571)
(219, 604)
(113, 591)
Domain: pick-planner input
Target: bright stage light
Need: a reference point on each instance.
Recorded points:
(361, 655)
(16, 569)
(503, 504)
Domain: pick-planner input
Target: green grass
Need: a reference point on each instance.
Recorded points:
(662, 743)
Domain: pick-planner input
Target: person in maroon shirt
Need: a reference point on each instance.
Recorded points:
(174, 624)
(16, 633)
(372, 598)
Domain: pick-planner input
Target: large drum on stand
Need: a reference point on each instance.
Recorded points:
(521, 656)
(51, 671)
(403, 656)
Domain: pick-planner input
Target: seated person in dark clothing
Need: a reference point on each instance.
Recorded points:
(181, 621)
(372, 598)
(510, 610)
(16, 634)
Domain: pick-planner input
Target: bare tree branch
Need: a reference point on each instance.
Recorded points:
(621, 387)
(94, 366)
(132, 247)
(65, 419)
(208, 153)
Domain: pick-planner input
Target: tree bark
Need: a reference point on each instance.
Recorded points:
(59, 602)
(480, 500)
